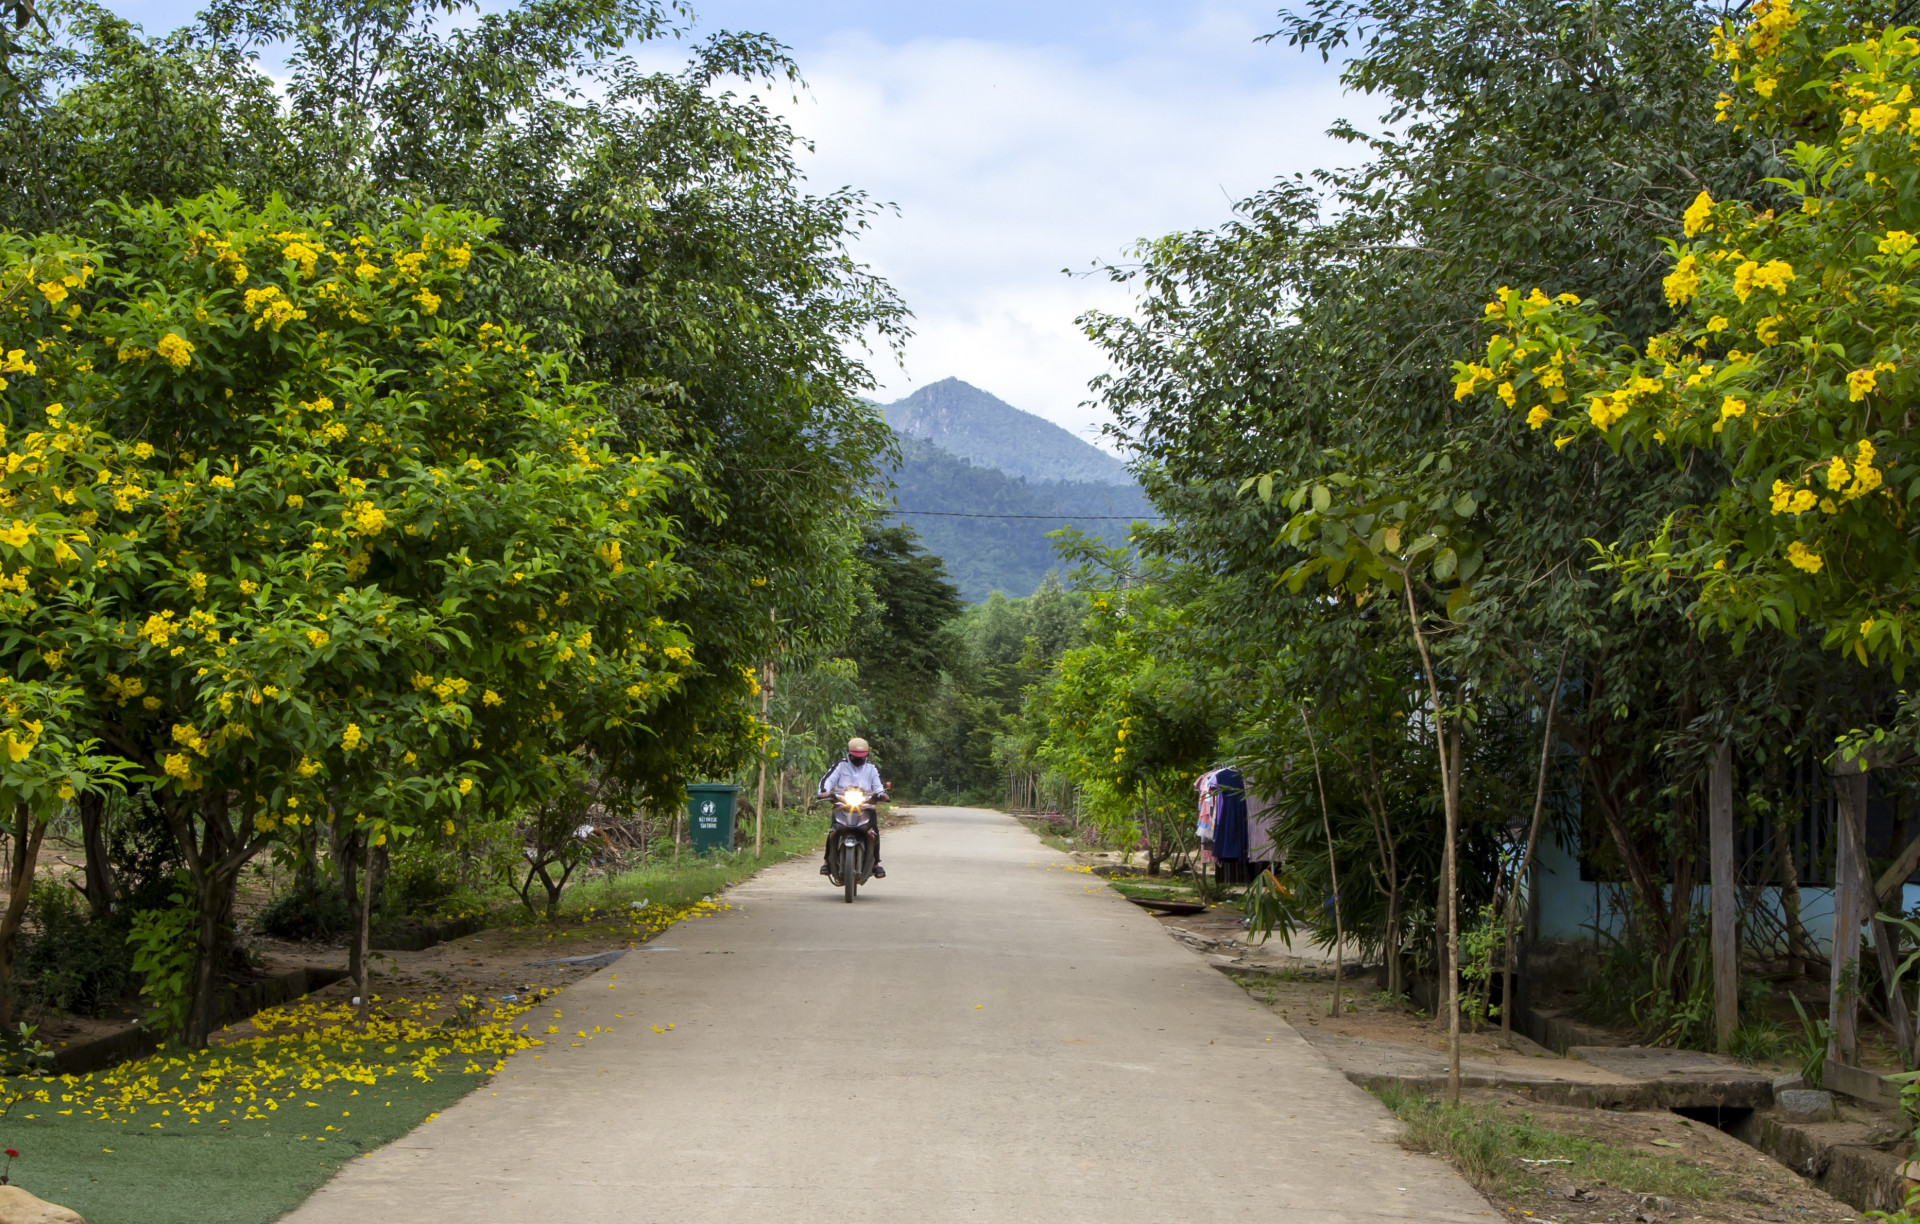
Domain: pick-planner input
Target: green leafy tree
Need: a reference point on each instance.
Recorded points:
(902, 644)
(1309, 338)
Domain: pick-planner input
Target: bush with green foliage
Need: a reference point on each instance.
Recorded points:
(164, 951)
(306, 912)
(71, 961)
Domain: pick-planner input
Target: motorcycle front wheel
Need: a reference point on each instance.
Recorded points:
(850, 871)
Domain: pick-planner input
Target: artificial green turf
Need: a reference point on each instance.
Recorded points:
(254, 1172)
(206, 1173)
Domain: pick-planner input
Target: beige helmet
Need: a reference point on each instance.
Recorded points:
(857, 747)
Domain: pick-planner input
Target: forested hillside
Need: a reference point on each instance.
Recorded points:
(1010, 555)
(963, 420)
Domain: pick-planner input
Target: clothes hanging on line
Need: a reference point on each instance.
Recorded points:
(1263, 813)
(1229, 816)
(1203, 785)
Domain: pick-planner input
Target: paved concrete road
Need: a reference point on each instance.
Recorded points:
(985, 1036)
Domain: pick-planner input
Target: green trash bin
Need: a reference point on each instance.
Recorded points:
(710, 816)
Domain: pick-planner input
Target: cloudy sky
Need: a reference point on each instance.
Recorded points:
(1018, 138)
(1021, 139)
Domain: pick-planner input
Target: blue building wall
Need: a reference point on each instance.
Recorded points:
(1569, 908)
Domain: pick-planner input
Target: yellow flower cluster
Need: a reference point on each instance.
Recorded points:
(120, 689)
(1863, 382)
(1683, 283)
(1774, 274)
(365, 518)
(177, 350)
(17, 746)
(299, 249)
(1803, 558)
(1789, 500)
(159, 628)
(1730, 408)
(272, 307)
(1695, 218)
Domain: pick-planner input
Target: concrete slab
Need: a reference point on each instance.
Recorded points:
(1635, 1084)
(1642, 1062)
(1683, 1078)
(987, 1035)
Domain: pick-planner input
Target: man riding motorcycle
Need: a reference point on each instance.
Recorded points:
(855, 770)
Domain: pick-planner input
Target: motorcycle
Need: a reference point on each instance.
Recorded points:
(855, 824)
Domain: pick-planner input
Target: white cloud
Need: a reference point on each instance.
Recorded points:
(1011, 162)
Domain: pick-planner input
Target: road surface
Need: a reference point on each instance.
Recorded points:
(987, 1035)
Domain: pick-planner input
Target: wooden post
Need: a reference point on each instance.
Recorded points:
(1726, 927)
(760, 795)
(1850, 809)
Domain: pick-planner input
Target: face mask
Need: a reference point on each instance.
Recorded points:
(860, 759)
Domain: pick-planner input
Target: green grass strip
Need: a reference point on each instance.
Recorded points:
(1488, 1145)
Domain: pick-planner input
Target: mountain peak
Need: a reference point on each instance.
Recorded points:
(964, 420)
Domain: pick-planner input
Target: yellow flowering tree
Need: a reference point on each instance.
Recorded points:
(1792, 356)
(311, 547)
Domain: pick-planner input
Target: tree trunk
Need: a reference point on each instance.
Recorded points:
(1376, 801)
(1390, 869)
(347, 857)
(102, 889)
(215, 855)
(1797, 941)
(306, 869)
(25, 855)
(1886, 945)
(1152, 843)
(760, 796)
(362, 929)
(1333, 869)
(378, 867)
(1456, 751)
(1450, 798)
(1526, 855)
(1726, 924)
(213, 899)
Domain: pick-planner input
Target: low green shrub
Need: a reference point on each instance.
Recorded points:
(72, 961)
(421, 881)
(1757, 1041)
(315, 911)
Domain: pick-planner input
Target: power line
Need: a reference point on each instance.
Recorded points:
(1049, 517)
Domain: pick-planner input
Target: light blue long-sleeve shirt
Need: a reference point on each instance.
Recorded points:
(845, 773)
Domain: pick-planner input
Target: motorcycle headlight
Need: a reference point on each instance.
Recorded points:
(855, 796)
